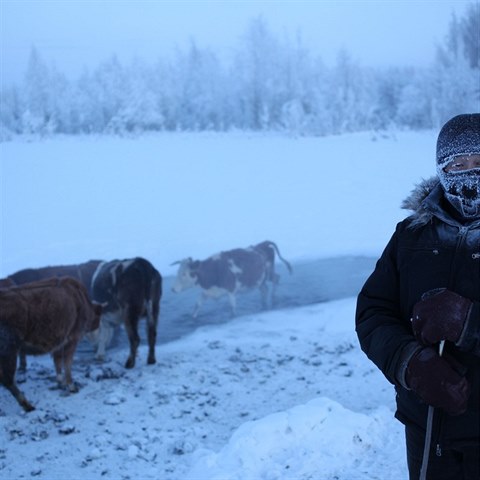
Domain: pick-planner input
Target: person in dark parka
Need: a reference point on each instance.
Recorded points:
(423, 292)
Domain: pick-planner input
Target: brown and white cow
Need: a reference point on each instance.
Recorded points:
(228, 273)
(48, 316)
(82, 272)
(128, 289)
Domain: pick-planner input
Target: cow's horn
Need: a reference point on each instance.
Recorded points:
(189, 259)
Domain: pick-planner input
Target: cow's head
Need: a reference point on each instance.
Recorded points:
(105, 281)
(186, 275)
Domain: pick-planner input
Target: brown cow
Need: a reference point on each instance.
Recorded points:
(82, 271)
(48, 316)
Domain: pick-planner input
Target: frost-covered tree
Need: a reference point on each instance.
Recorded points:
(86, 111)
(269, 82)
(61, 103)
(414, 105)
(462, 39)
(390, 85)
(38, 113)
(455, 90)
(107, 90)
(140, 110)
(294, 98)
(351, 98)
(470, 34)
(255, 70)
(165, 90)
(198, 83)
(10, 111)
(455, 85)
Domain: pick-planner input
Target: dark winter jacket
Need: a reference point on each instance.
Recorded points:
(430, 249)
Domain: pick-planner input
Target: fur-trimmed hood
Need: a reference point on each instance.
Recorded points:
(426, 201)
(416, 201)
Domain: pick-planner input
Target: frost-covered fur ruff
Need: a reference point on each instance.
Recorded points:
(414, 202)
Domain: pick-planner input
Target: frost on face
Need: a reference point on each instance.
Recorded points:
(462, 189)
(464, 143)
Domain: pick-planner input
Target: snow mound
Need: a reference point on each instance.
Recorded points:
(320, 439)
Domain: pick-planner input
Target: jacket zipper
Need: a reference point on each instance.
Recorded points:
(462, 233)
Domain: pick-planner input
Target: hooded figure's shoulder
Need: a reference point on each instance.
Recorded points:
(415, 202)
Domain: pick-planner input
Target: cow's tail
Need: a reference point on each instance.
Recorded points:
(274, 245)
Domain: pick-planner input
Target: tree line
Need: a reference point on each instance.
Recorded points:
(269, 83)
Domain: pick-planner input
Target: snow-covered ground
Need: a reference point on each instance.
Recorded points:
(279, 395)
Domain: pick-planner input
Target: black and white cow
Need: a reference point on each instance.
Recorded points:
(228, 273)
(129, 290)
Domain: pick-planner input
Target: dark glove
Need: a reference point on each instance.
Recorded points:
(440, 316)
(434, 380)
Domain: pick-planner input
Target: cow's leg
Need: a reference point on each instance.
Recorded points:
(8, 365)
(198, 304)
(64, 358)
(153, 311)
(233, 303)
(58, 362)
(9, 349)
(15, 391)
(264, 294)
(105, 335)
(22, 358)
(21, 375)
(275, 281)
(132, 315)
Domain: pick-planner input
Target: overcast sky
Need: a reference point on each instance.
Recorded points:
(75, 33)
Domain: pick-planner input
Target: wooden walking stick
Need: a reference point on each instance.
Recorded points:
(428, 431)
